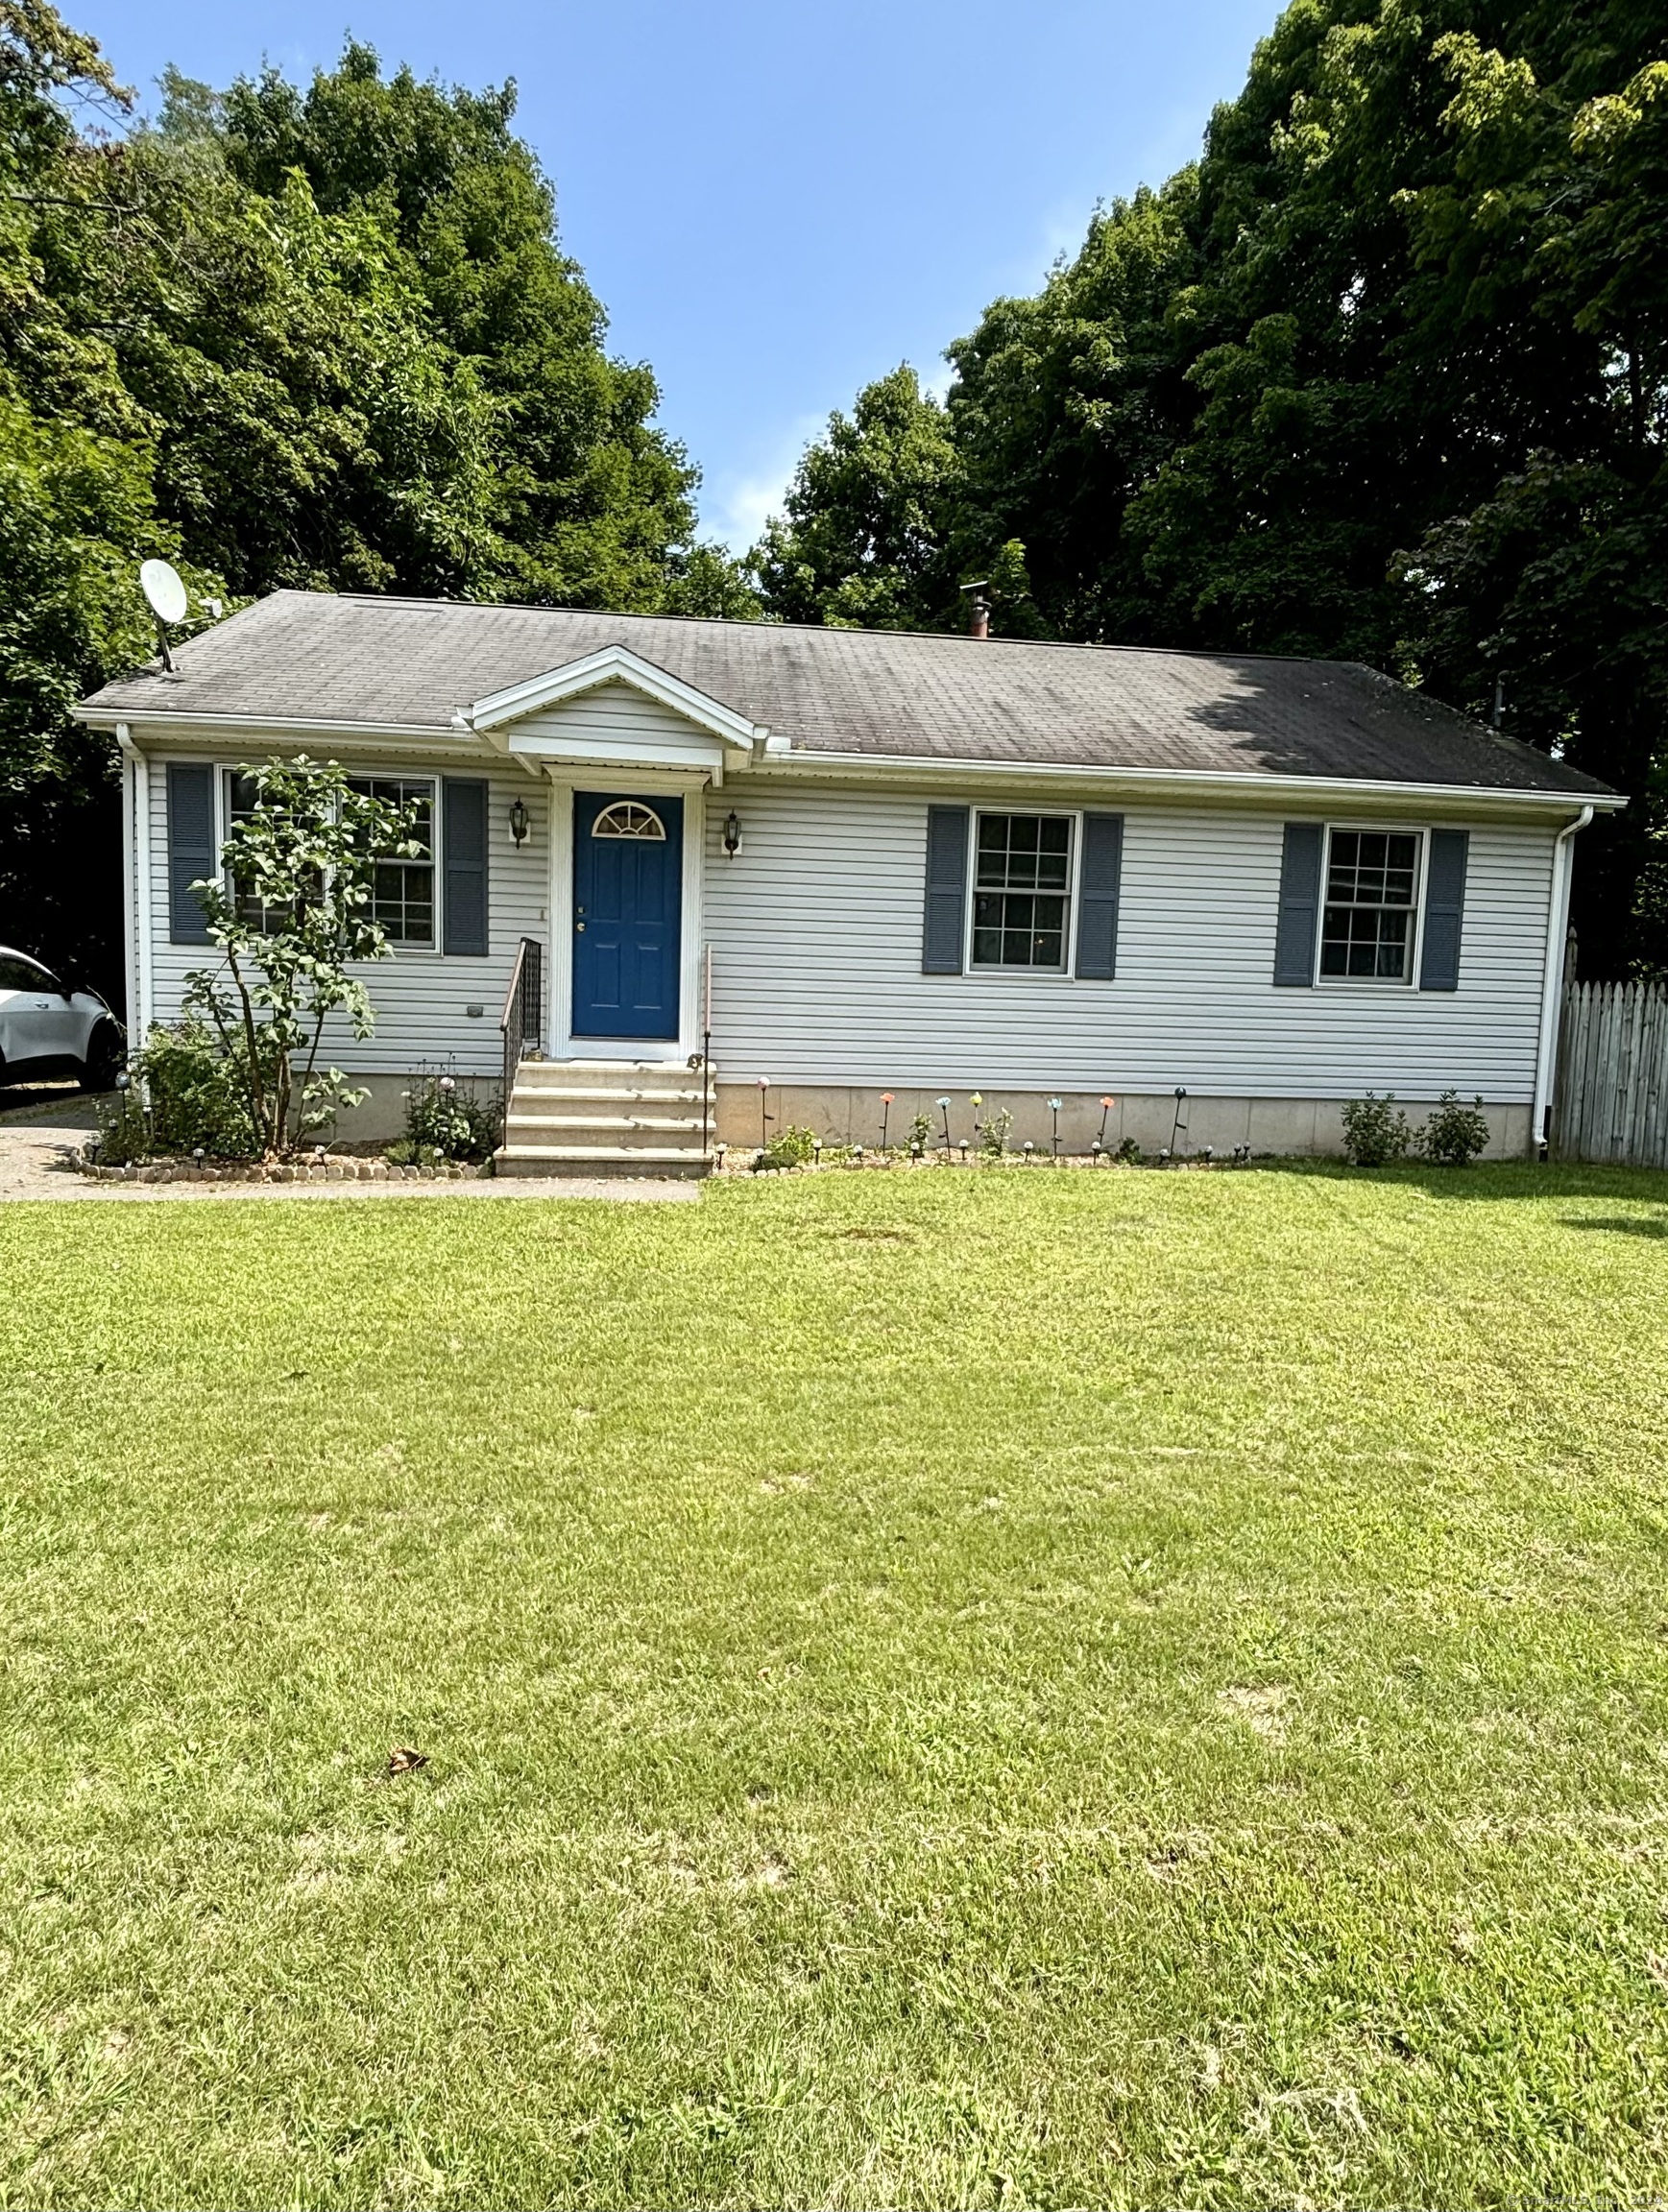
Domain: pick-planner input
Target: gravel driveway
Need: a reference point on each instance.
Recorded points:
(37, 1142)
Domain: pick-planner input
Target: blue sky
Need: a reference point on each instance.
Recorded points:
(778, 201)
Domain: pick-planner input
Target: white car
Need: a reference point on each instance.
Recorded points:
(46, 1030)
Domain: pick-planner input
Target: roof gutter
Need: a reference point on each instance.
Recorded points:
(1551, 981)
(779, 755)
(805, 761)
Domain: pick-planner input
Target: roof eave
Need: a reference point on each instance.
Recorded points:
(814, 761)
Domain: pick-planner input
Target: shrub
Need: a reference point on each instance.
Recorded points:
(1128, 1152)
(1375, 1130)
(190, 1096)
(790, 1148)
(1454, 1134)
(921, 1133)
(992, 1137)
(446, 1119)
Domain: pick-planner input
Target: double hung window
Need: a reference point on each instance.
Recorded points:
(1022, 891)
(402, 898)
(1371, 904)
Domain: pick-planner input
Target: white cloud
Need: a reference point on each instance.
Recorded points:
(735, 507)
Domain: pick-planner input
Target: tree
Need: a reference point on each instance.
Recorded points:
(294, 914)
(866, 539)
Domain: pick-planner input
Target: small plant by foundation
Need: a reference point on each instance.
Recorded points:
(790, 1148)
(1454, 1135)
(992, 1137)
(1375, 1130)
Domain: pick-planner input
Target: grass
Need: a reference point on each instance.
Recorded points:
(1121, 1689)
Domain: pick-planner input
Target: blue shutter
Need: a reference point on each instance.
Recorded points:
(946, 920)
(464, 850)
(1300, 904)
(191, 856)
(1097, 896)
(1444, 909)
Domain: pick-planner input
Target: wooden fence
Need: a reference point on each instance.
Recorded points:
(1612, 1074)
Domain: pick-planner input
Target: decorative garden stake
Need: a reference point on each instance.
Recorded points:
(1027, 1148)
(1164, 1155)
(1055, 1141)
(1207, 1153)
(886, 1110)
(764, 1120)
(944, 1109)
(976, 1100)
(816, 1151)
(964, 1151)
(1106, 1105)
(1096, 1151)
(1178, 1128)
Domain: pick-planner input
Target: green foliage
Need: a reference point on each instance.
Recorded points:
(1454, 1135)
(446, 1119)
(1375, 1130)
(196, 1093)
(790, 1148)
(322, 338)
(1383, 376)
(993, 1135)
(293, 916)
(921, 1132)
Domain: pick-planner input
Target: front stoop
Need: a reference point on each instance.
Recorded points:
(607, 1117)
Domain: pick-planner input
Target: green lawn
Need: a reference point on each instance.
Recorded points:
(1027, 1689)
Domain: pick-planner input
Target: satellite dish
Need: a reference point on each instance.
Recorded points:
(162, 585)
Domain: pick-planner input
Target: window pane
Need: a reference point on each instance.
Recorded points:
(403, 891)
(1018, 929)
(1365, 941)
(1024, 852)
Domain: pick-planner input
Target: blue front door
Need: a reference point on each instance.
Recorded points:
(628, 872)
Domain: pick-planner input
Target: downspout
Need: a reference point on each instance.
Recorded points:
(1556, 923)
(136, 868)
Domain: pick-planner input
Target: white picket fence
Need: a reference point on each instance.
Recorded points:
(1612, 1074)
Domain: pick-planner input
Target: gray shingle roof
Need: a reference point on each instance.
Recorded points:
(310, 656)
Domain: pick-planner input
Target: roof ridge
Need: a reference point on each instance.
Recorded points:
(767, 625)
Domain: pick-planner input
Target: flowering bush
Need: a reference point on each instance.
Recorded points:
(445, 1120)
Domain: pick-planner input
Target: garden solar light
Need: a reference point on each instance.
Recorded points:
(886, 1110)
(1027, 1148)
(446, 1083)
(944, 1109)
(1107, 1102)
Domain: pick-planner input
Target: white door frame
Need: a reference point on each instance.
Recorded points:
(629, 782)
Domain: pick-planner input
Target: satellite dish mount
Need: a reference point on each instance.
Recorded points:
(165, 593)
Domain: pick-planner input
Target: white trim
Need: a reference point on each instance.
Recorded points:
(563, 1043)
(1378, 985)
(777, 757)
(612, 664)
(1179, 782)
(1552, 976)
(136, 886)
(1066, 972)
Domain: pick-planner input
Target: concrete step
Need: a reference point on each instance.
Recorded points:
(558, 1159)
(620, 1130)
(554, 1073)
(536, 1097)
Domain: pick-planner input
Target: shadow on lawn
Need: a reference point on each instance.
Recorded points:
(1509, 1179)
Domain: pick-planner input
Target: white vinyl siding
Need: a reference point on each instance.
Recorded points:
(815, 931)
(421, 996)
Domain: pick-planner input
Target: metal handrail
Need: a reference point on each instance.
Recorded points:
(524, 1021)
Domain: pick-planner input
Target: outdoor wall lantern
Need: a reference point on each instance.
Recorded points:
(731, 834)
(521, 823)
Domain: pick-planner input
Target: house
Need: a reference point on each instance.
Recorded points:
(869, 861)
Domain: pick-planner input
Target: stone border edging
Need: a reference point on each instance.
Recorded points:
(329, 1171)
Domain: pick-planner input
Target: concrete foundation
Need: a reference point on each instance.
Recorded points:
(846, 1114)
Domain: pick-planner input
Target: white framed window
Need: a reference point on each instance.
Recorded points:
(1369, 914)
(1024, 876)
(403, 892)
(630, 818)
(241, 797)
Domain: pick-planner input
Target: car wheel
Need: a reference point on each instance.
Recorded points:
(104, 1057)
